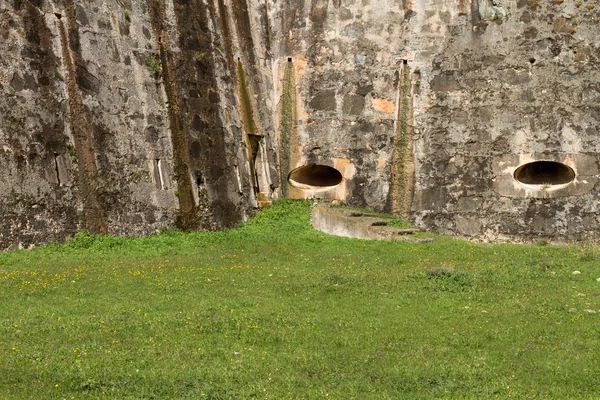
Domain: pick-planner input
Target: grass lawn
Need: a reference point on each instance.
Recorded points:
(277, 310)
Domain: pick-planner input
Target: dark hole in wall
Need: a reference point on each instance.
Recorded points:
(544, 173)
(315, 175)
(289, 59)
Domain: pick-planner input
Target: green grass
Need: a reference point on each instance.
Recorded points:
(276, 310)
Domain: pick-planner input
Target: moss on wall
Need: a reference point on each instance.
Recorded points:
(81, 129)
(247, 118)
(187, 210)
(287, 124)
(246, 103)
(402, 169)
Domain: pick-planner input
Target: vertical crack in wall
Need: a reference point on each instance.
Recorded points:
(93, 213)
(290, 9)
(463, 6)
(224, 25)
(287, 128)
(242, 20)
(199, 141)
(247, 120)
(256, 88)
(44, 63)
(267, 30)
(229, 98)
(402, 168)
(56, 170)
(187, 206)
(318, 14)
(475, 12)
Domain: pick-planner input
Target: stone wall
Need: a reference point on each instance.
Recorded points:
(518, 85)
(129, 116)
(428, 108)
(120, 117)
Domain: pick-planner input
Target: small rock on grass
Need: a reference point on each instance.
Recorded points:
(576, 273)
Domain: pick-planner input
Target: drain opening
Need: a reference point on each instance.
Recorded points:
(315, 176)
(544, 173)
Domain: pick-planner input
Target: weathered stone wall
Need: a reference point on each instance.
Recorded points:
(434, 105)
(118, 117)
(128, 116)
(517, 83)
(347, 60)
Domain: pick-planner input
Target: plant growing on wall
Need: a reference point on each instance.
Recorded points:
(154, 65)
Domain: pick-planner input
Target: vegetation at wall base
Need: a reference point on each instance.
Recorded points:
(273, 309)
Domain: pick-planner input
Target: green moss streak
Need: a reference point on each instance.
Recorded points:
(247, 112)
(400, 179)
(87, 176)
(287, 124)
(247, 118)
(186, 218)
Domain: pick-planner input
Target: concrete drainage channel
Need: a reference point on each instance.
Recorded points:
(353, 224)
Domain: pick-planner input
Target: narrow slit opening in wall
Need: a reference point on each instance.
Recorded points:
(254, 142)
(56, 155)
(158, 174)
(199, 179)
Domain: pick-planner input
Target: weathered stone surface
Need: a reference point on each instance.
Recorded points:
(127, 117)
(324, 101)
(353, 104)
(352, 224)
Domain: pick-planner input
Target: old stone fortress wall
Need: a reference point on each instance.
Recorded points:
(478, 118)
